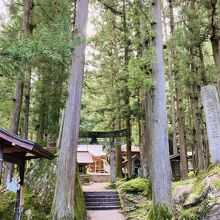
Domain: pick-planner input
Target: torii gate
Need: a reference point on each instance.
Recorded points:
(111, 135)
(14, 149)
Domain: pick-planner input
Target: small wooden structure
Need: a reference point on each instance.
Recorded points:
(16, 150)
(111, 135)
(175, 166)
(84, 158)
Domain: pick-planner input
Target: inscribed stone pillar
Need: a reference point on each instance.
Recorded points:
(211, 107)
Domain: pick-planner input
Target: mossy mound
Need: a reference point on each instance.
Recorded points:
(135, 198)
(137, 185)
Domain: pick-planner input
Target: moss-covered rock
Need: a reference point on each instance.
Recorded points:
(38, 194)
(203, 196)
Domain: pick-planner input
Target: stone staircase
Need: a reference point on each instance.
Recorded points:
(102, 200)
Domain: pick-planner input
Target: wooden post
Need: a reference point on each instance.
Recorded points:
(112, 162)
(19, 197)
(1, 159)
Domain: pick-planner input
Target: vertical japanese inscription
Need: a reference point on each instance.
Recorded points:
(212, 115)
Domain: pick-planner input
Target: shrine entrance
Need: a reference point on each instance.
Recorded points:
(111, 135)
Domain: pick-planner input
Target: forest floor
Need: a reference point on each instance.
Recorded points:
(102, 214)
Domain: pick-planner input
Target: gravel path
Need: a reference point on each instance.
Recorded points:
(105, 215)
(92, 187)
(102, 214)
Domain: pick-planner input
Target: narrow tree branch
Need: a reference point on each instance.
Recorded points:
(111, 8)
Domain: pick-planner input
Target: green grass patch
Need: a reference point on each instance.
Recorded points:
(183, 182)
(216, 184)
(160, 212)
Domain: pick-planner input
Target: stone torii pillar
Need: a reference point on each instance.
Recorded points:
(112, 161)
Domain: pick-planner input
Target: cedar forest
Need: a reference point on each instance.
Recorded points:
(141, 68)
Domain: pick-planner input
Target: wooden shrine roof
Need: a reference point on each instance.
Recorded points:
(17, 149)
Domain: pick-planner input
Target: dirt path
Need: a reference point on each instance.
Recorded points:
(102, 214)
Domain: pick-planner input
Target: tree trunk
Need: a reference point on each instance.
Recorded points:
(183, 149)
(146, 103)
(63, 205)
(127, 92)
(171, 76)
(15, 118)
(216, 51)
(180, 113)
(159, 164)
(128, 152)
(142, 138)
(27, 103)
(215, 39)
(118, 145)
(195, 93)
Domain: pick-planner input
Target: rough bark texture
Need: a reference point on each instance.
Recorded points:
(180, 113)
(27, 103)
(63, 206)
(145, 99)
(118, 145)
(215, 39)
(194, 96)
(127, 92)
(159, 164)
(183, 149)
(216, 51)
(171, 81)
(198, 128)
(15, 116)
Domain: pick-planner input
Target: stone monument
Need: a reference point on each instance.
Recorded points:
(211, 107)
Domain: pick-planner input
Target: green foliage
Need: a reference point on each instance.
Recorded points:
(7, 204)
(190, 215)
(159, 212)
(140, 72)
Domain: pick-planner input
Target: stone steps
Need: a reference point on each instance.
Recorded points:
(103, 200)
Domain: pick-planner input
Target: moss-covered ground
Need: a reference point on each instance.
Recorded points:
(136, 201)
